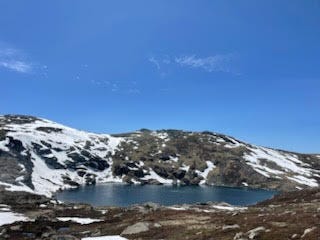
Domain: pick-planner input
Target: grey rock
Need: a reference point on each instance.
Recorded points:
(230, 227)
(136, 228)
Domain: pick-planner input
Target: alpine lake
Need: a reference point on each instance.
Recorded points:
(124, 195)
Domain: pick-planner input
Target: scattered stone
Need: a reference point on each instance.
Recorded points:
(239, 236)
(307, 231)
(230, 227)
(157, 225)
(279, 224)
(253, 233)
(15, 228)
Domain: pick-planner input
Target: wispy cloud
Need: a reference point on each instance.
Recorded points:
(17, 66)
(13, 60)
(216, 63)
(155, 62)
(118, 87)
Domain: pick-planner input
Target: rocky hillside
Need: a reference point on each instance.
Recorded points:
(40, 156)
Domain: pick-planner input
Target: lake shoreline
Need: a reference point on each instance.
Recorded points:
(281, 217)
(98, 194)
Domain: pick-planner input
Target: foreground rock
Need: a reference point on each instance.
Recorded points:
(294, 215)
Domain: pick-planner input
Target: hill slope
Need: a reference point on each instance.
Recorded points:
(41, 156)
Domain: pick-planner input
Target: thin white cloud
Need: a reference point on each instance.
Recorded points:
(216, 63)
(134, 91)
(13, 60)
(17, 66)
(155, 62)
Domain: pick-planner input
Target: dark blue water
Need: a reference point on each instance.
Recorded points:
(125, 195)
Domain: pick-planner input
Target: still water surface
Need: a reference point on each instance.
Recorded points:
(125, 195)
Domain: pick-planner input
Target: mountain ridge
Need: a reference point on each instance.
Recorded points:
(44, 157)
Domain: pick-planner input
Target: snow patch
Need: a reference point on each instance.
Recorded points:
(288, 163)
(204, 174)
(78, 220)
(114, 237)
(3, 145)
(228, 208)
(11, 217)
(155, 176)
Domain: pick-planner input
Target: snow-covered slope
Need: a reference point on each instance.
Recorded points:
(51, 147)
(41, 156)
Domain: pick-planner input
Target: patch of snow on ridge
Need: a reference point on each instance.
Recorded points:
(234, 143)
(63, 138)
(288, 163)
(162, 135)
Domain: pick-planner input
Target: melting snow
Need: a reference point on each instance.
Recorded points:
(289, 163)
(8, 217)
(115, 237)
(228, 208)
(78, 220)
(204, 174)
(3, 145)
(47, 180)
(153, 175)
(234, 143)
(177, 208)
(305, 181)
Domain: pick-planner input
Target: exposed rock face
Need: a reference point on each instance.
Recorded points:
(42, 156)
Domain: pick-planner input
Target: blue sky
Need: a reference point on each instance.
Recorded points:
(249, 69)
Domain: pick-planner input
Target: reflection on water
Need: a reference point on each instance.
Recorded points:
(124, 195)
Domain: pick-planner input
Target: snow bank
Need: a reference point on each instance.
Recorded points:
(155, 176)
(8, 217)
(78, 220)
(291, 167)
(115, 237)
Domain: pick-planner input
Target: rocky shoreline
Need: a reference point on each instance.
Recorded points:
(291, 215)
